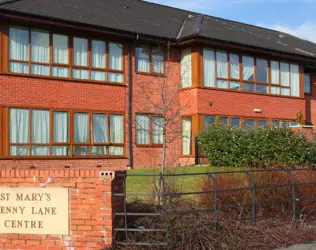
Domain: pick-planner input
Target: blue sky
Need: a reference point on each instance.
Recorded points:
(292, 16)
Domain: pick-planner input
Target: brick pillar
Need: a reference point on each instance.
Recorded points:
(91, 207)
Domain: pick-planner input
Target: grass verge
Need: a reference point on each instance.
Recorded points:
(143, 184)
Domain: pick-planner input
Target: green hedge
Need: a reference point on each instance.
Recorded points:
(263, 147)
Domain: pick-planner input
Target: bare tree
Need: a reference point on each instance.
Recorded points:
(161, 99)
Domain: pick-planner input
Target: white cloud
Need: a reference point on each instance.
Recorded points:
(307, 30)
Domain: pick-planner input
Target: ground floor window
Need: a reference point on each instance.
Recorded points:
(64, 133)
(245, 122)
(186, 135)
(149, 129)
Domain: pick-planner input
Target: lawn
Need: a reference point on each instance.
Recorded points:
(144, 184)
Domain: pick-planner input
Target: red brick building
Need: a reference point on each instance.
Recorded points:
(91, 83)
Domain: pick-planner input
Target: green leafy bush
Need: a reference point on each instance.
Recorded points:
(271, 146)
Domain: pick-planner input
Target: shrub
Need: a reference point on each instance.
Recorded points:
(229, 146)
(237, 204)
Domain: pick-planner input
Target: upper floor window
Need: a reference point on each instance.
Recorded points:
(39, 52)
(149, 130)
(250, 74)
(149, 59)
(41, 132)
(307, 84)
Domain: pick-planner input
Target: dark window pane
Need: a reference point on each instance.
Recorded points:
(276, 123)
(263, 124)
(307, 83)
(285, 124)
(262, 70)
(209, 120)
(224, 120)
(248, 87)
(261, 88)
(249, 123)
(235, 122)
(294, 123)
(80, 150)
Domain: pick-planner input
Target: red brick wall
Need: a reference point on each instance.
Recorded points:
(43, 93)
(146, 85)
(91, 206)
(223, 102)
(243, 104)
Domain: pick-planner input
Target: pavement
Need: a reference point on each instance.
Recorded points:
(311, 246)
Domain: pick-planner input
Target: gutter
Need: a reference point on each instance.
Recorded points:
(196, 39)
(130, 108)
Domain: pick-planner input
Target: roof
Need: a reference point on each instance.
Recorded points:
(156, 20)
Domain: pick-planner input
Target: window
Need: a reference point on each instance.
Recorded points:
(60, 133)
(294, 124)
(60, 56)
(248, 68)
(249, 124)
(149, 130)
(39, 52)
(209, 120)
(37, 132)
(262, 123)
(262, 70)
(249, 74)
(307, 84)
(186, 68)
(246, 122)
(186, 135)
(149, 60)
(224, 120)
(285, 124)
(234, 66)
(276, 123)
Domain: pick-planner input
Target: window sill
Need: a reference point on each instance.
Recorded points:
(151, 74)
(149, 145)
(61, 157)
(186, 156)
(63, 79)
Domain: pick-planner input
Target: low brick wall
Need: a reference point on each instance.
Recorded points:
(91, 208)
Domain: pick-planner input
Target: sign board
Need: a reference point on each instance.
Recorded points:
(34, 210)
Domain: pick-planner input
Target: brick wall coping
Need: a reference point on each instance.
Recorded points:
(59, 173)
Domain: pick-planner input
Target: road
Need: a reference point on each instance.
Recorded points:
(311, 246)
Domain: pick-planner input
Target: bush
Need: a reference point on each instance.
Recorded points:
(229, 146)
